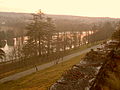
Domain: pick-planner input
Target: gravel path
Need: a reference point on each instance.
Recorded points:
(44, 66)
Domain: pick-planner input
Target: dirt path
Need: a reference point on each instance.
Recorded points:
(44, 66)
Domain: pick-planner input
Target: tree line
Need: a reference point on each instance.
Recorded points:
(45, 40)
(46, 43)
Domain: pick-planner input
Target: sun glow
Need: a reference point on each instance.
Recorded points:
(95, 8)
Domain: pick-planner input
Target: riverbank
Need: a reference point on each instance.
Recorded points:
(80, 76)
(99, 70)
(108, 77)
(43, 79)
(15, 67)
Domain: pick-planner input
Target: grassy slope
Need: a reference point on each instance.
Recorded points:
(26, 68)
(41, 80)
(112, 82)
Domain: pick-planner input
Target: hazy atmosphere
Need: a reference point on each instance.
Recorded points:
(59, 45)
(92, 8)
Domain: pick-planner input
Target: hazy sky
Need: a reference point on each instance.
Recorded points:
(98, 8)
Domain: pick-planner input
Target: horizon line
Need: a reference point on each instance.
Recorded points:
(60, 14)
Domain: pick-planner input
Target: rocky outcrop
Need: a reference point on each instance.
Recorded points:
(108, 77)
(81, 76)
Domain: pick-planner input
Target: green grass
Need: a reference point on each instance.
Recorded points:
(41, 80)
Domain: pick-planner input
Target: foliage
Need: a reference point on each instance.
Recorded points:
(102, 32)
(39, 33)
(116, 35)
(113, 81)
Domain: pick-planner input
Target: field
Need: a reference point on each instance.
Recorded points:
(41, 80)
(26, 67)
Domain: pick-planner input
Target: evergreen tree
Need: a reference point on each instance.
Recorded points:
(40, 32)
(116, 35)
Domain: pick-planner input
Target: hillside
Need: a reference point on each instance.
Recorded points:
(99, 70)
(9, 20)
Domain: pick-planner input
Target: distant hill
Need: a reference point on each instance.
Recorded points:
(18, 21)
